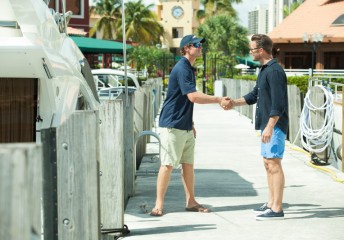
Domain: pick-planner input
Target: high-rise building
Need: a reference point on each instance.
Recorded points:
(258, 20)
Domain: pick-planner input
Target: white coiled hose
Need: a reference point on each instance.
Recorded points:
(317, 140)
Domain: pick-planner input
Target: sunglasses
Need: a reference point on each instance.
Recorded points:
(196, 45)
(252, 49)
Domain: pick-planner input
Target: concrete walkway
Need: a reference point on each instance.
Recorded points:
(231, 180)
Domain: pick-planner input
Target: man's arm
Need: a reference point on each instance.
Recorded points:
(231, 103)
(201, 98)
(267, 132)
(238, 102)
(248, 99)
(272, 122)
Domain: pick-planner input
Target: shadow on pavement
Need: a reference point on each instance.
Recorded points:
(306, 213)
(172, 229)
(286, 207)
(222, 183)
(293, 211)
(209, 183)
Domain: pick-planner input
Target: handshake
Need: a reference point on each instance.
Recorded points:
(227, 103)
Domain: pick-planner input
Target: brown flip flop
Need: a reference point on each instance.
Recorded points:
(198, 208)
(156, 212)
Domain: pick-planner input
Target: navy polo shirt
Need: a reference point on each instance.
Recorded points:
(271, 96)
(177, 110)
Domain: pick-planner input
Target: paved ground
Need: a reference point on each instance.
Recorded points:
(230, 180)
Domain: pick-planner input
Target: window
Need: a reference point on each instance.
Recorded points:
(339, 21)
(177, 32)
(9, 24)
(299, 60)
(334, 60)
(76, 6)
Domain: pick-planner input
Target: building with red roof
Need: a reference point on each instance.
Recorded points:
(315, 28)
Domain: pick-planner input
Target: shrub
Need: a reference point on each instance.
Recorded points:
(245, 77)
(210, 87)
(300, 81)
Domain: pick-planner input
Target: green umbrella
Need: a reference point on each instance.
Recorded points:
(247, 60)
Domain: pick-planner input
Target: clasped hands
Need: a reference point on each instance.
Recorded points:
(227, 103)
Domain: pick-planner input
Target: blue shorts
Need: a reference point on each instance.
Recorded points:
(274, 148)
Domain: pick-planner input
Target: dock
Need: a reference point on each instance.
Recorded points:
(230, 179)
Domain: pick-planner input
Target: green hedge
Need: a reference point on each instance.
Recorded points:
(300, 81)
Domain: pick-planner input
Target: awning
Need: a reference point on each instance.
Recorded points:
(247, 60)
(92, 45)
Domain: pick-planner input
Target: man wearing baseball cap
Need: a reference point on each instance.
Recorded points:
(190, 39)
(177, 129)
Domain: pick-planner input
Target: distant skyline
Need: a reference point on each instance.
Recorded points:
(242, 8)
(245, 7)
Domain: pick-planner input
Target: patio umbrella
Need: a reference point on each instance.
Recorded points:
(115, 65)
(247, 60)
(241, 66)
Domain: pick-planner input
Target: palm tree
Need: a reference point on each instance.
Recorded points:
(216, 7)
(289, 9)
(225, 38)
(141, 25)
(109, 12)
(224, 34)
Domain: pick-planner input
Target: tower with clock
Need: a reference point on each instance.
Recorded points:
(178, 18)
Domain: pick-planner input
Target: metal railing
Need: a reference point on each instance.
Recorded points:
(328, 73)
(331, 73)
(337, 88)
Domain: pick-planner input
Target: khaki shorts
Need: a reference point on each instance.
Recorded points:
(177, 147)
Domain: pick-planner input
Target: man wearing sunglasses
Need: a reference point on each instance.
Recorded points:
(270, 95)
(177, 129)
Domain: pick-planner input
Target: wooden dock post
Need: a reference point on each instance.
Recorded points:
(111, 164)
(73, 149)
(20, 191)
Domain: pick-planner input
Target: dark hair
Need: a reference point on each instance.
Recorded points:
(275, 52)
(263, 41)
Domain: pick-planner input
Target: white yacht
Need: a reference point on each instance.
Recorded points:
(44, 77)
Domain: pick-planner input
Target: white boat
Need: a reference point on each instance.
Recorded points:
(35, 47)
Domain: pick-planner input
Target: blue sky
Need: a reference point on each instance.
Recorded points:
(242, 8)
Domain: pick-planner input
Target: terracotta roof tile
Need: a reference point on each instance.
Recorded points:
(313, 16)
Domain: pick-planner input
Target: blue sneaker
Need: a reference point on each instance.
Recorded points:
(261, 209)
(270, 215)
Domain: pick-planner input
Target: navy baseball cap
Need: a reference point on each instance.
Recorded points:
(188, 39)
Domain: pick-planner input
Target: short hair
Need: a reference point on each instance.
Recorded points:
(182, 51)
(263, 41)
